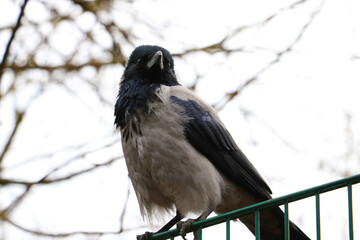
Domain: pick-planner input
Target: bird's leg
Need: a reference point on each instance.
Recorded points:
(183, 226)
(172, 222)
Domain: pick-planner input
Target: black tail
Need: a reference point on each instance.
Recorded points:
(272, 225)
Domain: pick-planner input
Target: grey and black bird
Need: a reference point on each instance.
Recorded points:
(180, 156)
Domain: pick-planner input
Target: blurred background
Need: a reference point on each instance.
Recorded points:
(283, 75)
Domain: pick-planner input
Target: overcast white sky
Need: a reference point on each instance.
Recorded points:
(297, 109)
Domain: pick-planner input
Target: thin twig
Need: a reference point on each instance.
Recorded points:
(45, 180)
(231, 95)
(19, 118)
(122, 216)
(7, 50)
(55, 235)
(65, 234)
(220, 46)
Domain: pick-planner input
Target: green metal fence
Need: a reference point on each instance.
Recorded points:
(284, 200)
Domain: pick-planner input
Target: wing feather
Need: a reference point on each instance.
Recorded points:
(209, 137)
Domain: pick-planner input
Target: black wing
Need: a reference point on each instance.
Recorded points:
(211, 139)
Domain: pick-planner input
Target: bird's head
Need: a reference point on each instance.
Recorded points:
(150, 64)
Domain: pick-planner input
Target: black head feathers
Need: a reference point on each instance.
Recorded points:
(150, 64)
(145, 50)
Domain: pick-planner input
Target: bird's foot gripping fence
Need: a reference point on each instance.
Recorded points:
(284, 200)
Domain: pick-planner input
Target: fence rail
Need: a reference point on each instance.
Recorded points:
(284, 200)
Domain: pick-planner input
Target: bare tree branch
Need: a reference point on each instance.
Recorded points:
(67, 66)
(66, 234)
(16, 202)
(19, 117)
(220, 46)
(45, 180)
(7, 50)
(122, 215)
(231, 95)
(350, 156)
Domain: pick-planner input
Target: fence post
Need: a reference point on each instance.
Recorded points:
(257, 224)
(228, 229)
(318, 227)
(351, 226)
(286, 221)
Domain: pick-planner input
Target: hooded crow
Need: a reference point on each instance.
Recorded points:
(180, 156)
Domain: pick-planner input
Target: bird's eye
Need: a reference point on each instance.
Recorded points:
(167, 62)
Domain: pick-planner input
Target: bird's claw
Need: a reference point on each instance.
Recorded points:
(184, 226)
(145, 236)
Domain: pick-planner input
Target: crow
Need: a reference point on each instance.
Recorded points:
(179, 154)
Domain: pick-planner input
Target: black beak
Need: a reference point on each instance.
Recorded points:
(156, 59)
